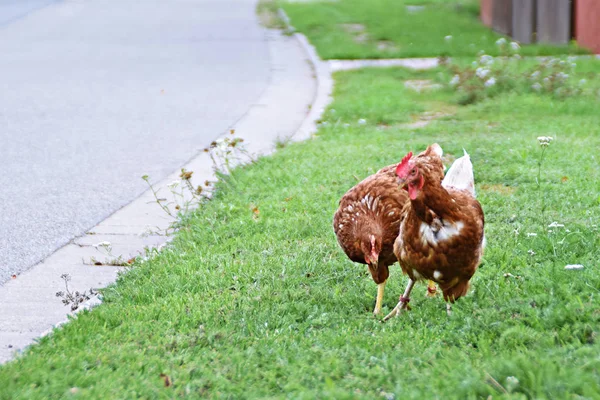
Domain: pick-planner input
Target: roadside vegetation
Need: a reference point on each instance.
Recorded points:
(254, 298)
(349, 29)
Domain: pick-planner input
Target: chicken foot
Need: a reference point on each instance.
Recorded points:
(380, 289)
(403, 303)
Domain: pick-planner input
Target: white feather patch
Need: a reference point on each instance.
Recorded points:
(437, 275)
(460, 175)
(433, 236)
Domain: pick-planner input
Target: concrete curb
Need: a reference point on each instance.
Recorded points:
(28, 306)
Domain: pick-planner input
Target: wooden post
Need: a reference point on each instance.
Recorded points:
(502, 16)
(523, 20)
(587, 24)
(486, 12)
(553, 21)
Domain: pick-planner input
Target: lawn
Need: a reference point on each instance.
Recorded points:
(254, 298)
(349, 29)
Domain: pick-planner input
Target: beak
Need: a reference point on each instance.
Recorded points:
(402, 183)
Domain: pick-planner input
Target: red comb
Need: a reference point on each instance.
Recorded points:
(402, 168)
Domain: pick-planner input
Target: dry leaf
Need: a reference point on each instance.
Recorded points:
(167, 380)
(564, 179)
(14, 276)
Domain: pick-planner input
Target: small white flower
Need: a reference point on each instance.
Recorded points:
(516, 232)
(544, 140)
(490, 82)
(571, 59)
(455, 80)
(102, 244)
(474, 64)
(530, 234)
(482, 72)
(582, 82)
(511, 383)
(515, 46)
(486, 60)
(531, 252)
(448, 38)
(362, 121)
(517, 56)
(574, 266)
(556, 225)
(535, 75)
(537, 87)
(546, 80)
(562, 75)
(500, 42)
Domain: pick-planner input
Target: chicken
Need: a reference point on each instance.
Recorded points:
(441, 235)
(367, 223)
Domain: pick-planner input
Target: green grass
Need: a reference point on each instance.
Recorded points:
(403, 33)
(239, 307)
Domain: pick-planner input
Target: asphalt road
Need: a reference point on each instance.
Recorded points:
(96, 93)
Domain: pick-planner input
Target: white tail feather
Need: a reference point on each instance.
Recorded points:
(460, 175)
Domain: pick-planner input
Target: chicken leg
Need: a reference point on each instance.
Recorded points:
(403, 303)
(380, 289)
(431, 289)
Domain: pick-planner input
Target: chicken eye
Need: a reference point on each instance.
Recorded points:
(413, 171)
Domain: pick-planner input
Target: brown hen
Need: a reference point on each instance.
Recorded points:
(441, 234)
(367, 223)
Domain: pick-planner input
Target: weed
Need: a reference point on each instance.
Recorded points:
(74, 298)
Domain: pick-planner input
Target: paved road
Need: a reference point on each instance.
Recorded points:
(96, 93)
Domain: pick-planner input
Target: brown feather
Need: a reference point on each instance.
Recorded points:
(441, 235)
(372, 207)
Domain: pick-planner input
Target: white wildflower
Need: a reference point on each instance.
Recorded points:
(537, 87)
(486, 59)
(173, 185)
(556, 225)
(531, 252)
(544, 140)
(530, 234)
(490, 82)
(362, 121)
(515, 46)
(517, 56)
(500, 42)
(571, 59)
(573, 65)
(455, 80)
(562, 75)
(448, 38)
(546, 80)
(508, 275)
(574, 266)
(516, 232)
(482, 72)
(511, 383)
(582, 82)
(535, 75)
